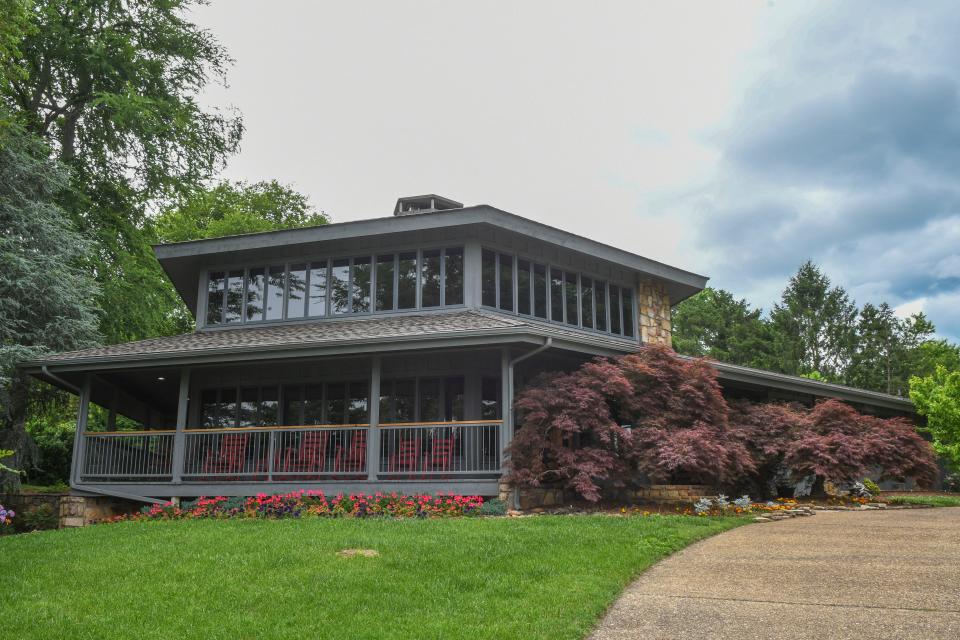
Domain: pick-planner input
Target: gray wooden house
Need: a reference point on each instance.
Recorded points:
(374, 355)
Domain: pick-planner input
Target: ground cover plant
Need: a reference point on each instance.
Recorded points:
(933, 501)
(535, 577)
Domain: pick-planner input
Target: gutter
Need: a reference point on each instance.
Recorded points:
(61, 381)
(508, 413)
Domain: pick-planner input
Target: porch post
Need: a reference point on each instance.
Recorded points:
(179, 437)
(506, 402)
(79, 443)
(373, 438)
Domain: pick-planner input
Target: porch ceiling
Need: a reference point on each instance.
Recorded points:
(331, 337)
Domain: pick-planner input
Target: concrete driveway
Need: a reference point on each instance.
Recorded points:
(872, 574)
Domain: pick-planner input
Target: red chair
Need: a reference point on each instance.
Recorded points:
(353, 457)
(406, 457)
(309, 457)
(441, 453)
(230, 457)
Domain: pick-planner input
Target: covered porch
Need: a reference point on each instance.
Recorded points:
(419, 422)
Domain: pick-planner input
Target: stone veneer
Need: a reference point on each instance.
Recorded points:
(71, 510)
(654, 313)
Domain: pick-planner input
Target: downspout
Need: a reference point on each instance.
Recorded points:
(509, 408)
(46, 372)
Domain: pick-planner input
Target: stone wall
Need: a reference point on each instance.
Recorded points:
(658, 493)
(654, 313)
(71, 510)
(670, 493)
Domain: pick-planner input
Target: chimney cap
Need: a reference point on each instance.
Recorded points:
(424, 204)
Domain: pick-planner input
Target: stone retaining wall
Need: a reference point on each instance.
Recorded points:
(72, 510)
(658, 493)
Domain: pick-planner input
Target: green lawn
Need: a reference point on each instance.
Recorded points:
(542, 577)
(935, 501)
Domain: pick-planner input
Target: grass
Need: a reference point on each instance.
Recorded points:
(45, 488)
(542, 577)
(933, 501)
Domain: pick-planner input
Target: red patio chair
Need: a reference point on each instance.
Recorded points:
(230, 457)
(310, 456)
(352, 458)
(407, 456)
(441, 453)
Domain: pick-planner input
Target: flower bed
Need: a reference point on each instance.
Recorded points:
(314, 504)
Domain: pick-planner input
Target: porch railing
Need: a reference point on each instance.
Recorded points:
(140, 455)
(301, 453)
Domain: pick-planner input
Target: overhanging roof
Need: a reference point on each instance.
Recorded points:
(375, 334)
(182, 260)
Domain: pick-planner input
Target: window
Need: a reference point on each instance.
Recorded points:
(339, 287)
(430, 279)
(601, 304)
(615, 309)
(249, 399)
(215, 285)
(490, 399)
(385, 272)
(256, 283)
(303, 405)
(570, 291)
(337, 403)
(586, 302)
(556, 295)
(313, 405)
(293, 405)
(208, 408)
(539, 291)
(357, 403)
(430, 407)
(407, 281)
(297, 291)
(627, 296)
(453, 399)
(523, 287)
(488, 268)
(453, 276)
(317, 297)
(398, 401)
(361, 285)
(274, 293)
(506, 282)
(234, 295)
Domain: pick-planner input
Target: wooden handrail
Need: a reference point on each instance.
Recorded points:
(128, 433)
(453, 423)
(456, 423)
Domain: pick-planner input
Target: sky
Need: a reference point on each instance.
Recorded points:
(733, 139)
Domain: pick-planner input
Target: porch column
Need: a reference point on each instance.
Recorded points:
(79, 443)
(506, 402)
(373, 439)
(179, 438)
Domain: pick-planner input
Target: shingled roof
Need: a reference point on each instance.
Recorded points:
(303, 335)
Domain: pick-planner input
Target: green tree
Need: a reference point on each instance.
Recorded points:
(932, 353)
(46, 298)
(938, 398)
(113, 86)
(715, 324)
(814, 325)
(234, 208)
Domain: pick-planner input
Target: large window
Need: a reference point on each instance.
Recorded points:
(231, 407)
(422, 400)
(388, 282)
(515, 284)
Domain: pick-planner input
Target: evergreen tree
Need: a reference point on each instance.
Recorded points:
(814, 325)
(47, 301)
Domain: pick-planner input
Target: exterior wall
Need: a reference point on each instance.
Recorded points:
(653, 304)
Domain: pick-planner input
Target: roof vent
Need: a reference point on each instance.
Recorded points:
(424, 204)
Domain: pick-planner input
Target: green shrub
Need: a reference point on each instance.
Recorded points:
(39, 518)
(871, 486)
(54, 442)
(493, 507)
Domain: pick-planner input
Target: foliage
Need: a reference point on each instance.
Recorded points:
(39, 518)
(871, 486)
(54, 446)
(715, 325)
(450, 578)
(314, 503)
(931, 501)
(46, 299)
(234, 208)
(6, 453)
(937, 397)
(494, 507)
(952, 482)
(860, 490)
(6, 516)
(113, 88)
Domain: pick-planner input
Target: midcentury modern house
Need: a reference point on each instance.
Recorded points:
(374, 355)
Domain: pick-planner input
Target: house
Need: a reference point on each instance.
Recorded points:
(381, 354)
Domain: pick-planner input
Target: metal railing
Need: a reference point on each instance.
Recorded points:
(318, 452)
(140, 455)
(440, 449)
